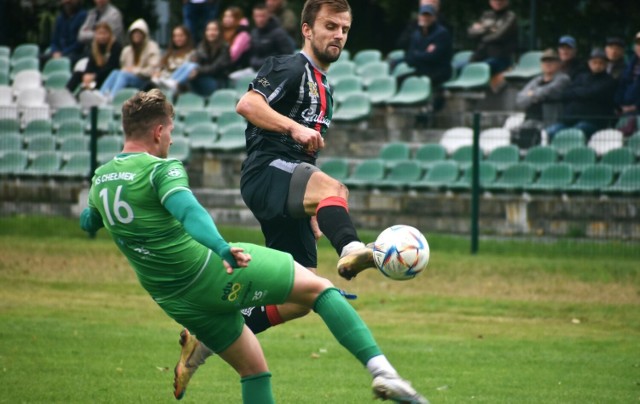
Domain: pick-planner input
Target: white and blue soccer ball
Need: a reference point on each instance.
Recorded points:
(401, 252)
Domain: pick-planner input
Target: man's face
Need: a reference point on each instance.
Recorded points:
(101, 3)
(614, 52)
(550, 66)
(498, 5)
(328, 35)
(260, 18)
(426, 20)
(597, 65)
(274, 5)
(566, 52)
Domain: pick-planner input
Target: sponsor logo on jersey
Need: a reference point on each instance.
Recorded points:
(263, 82)
(310, 116)
(231, 291)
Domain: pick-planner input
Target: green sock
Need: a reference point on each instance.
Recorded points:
(346, 325)
(256, 389)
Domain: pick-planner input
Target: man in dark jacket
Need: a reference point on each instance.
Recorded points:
(588, 100)
(430, 48)
(268, 38)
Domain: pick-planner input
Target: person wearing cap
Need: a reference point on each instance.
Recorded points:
(539, 97)
(588, 100)
(430, 48)
(568, 53)
(614, 49)
(628, 91)
(496, 34)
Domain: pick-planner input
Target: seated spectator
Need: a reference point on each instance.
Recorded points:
(138, 61)
(430, 48)
(65, 33)
(104, 58)
(289, 21)
(588, 99)
(614, 49)
(180, 50)
(104, 11)
(497, 36)
(235, 30)
(209, 66)
(268, 38)
(196, 14)
(568, 52)
(628, 91)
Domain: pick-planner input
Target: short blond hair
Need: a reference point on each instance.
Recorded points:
(143, 111)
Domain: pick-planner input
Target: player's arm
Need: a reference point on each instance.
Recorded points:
(199, 224)
(257, 110)
(90, 220)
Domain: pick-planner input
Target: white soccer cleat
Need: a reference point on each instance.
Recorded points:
(355, 258)
(392, 387)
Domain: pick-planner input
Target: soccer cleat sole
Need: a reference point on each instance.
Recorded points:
(181, 373)
(396, 390)
(357, 261)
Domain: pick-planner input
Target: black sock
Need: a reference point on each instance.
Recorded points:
(335, 222)
(256, 319)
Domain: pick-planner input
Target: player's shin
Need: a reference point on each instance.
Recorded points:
(335, 223)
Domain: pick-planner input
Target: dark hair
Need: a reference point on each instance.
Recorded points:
(312, 8)
(260, 6)
(173, 51)
(143, 111)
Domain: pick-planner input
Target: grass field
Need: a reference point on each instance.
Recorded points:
(554, 322)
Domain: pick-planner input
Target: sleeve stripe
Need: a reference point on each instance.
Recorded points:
(171, 191)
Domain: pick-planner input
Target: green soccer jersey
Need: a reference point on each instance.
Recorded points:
(129, 192)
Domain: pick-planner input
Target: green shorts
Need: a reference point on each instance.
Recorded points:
(210, 308)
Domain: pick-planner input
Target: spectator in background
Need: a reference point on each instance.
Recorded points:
(103, 11)
(103, 58)
(289, 21)
(65, 33)
(568, 52)
(235, 31)
(539, 98)
(138, 61)
(628, 91)
(180, 50)
(196, 14)
(268, 38)
(614, 49)
(496, 34)
(589, 98)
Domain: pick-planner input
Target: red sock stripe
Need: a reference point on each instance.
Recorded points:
(333, 201)
(273, 315)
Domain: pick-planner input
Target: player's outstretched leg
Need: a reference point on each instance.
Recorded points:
(192, 355)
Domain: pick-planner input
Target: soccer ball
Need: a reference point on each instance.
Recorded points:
(401, 252)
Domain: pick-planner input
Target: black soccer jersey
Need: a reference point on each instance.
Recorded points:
(294, 87)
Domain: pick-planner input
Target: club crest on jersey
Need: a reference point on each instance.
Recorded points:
(174, 172)
(313, 90)
(263, 82)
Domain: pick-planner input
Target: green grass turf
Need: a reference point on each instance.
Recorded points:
(521, 322)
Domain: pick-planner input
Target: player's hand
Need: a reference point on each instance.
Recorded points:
(310, 138)
(242, 259)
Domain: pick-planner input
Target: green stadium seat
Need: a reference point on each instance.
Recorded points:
(339, 70)
(488, 174)
(221, 101)
(38, 127)
(196, 117)
(628, 182)
(429, 154)
(366, 56)
(567, 139)
(504, 156)
(553, 178)
(241, 85)
(344, 55)
(463, 156)
(5, 51)
(633, 143)
(22, 65)
(619, 158)
(74, 145)
(355, 107)
(515, 177)
(25, 50)
(70, 129)
(9, 126)
(71, 113)
(188, 102)
(230, 118)
(475, 75)
(541, 156)
(594, 178)
(13, 163)
(106, 122)
(58, 65)
(580, 157)
(108, 147)
(180, 149)
(395, 54)
(5, 79)
(39, 144)
(119, 99)
(440, 176)
(402, 69)
(44, 164)
(393, 152)
(5, 65)
(462, 57)
(373, 70)
(232, 139)
(381, 89)
(401, 175)
(78, 165)
(337, 168)
(366, 173)
(10, 142)
(345, 87)
(528, 66)
(203, 135)
(413, 91)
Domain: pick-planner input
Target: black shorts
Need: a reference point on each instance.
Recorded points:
(273, 188)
